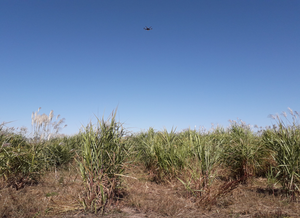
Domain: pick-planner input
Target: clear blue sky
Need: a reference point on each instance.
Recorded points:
(204, 61)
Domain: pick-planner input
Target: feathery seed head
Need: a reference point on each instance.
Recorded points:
(43, 119)
(284, 114)
(43, 126)
(291, 111)
(51, 115)
(272, 116)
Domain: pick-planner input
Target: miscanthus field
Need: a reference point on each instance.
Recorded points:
(104, 170)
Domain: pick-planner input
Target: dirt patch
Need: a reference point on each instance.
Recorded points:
(57, 196)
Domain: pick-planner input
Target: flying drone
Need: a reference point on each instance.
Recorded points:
(147, 28)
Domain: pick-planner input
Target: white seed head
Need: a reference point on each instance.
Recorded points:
(284, 114)
(32, 118)
(43, 118)
(272, 116)
(291, 111)
(51, 115)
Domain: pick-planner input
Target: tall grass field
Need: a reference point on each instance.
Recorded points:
(104, 170)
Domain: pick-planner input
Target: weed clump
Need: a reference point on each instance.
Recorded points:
(101, 164)
(284, 142)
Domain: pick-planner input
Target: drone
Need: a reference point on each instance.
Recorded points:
(147, 28)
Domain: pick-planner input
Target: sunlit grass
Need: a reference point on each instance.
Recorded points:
(101, 163)
(284, 141)
(209, 164)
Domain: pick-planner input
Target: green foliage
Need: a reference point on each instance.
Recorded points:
(204, 154)
(101, 163)
(23, 160)
(20, 166)
(57, 152)
(244, 152)
(207, 150)
(162, 153)
(284, 141)
(8, 136)
(102, 150)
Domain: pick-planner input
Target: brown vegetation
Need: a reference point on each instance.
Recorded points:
(57, 196)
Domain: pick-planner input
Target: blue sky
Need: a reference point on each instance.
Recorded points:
(204, 61)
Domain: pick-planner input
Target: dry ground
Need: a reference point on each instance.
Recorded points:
(57, 196)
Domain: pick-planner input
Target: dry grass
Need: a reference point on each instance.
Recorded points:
(57, 196)
(171, 199)
(56, 193)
